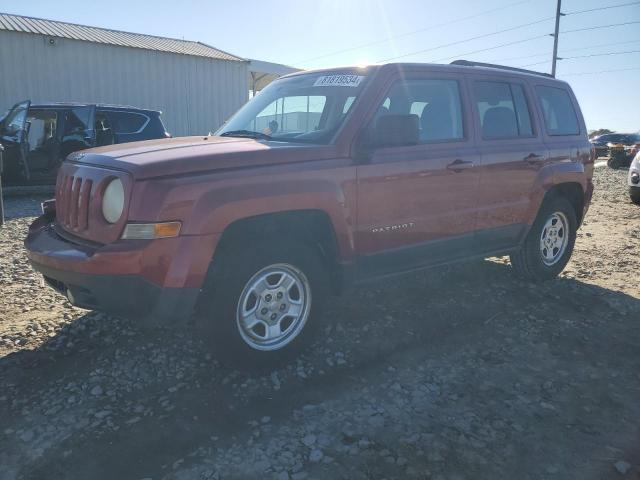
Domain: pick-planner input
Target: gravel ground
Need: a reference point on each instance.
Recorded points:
(457, 373)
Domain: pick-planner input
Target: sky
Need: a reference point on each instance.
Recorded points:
(317, 34)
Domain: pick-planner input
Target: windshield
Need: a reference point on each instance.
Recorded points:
(300, 109)
(615, 137)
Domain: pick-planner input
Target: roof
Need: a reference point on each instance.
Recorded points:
(54, 105)
(55, 28)
(452, 68)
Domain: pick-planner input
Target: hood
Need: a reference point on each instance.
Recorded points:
(187, 155)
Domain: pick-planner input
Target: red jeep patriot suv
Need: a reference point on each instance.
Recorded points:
(323, 179)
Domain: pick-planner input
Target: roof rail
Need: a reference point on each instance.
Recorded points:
(469, 63)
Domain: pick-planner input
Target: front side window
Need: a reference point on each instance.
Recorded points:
(306, 108)
(42, 130)
(435, 102)
(560, 117)
(503, 110)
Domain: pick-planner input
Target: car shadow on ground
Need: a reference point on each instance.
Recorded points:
(105, 399)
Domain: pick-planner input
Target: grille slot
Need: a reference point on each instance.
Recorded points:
(72, 202)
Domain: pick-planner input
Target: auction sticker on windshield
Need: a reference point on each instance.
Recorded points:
(338, 81)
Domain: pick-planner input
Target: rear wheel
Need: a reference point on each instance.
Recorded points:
(261, 303)
(549, 244)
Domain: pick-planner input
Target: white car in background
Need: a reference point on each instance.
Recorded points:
(634, 179)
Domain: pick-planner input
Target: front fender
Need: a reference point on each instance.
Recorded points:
(207, 205)
(213, 214)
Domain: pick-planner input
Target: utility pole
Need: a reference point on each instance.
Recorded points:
(555, 40)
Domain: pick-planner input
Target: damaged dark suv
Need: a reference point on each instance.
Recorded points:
(37, 138)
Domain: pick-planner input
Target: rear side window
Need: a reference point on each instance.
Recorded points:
(126, 122)
(560, 117)
(503, 110)
(77, 120)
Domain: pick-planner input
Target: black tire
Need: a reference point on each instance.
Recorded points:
(634, 194)
(230, 272)
(528, 262)
(613, 163)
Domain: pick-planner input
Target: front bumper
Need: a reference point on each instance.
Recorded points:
(156, 279)
(129, 296)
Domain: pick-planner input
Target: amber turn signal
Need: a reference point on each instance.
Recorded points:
(150, 231)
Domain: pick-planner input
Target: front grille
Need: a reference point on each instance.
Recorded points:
(72, 202)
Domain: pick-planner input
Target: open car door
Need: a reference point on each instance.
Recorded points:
(14, 130)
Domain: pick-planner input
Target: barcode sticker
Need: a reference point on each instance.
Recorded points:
(338, 81)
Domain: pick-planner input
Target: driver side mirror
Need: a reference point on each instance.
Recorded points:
(391, 130)
(395, 130)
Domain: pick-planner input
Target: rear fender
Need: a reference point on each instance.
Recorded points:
(551, 176)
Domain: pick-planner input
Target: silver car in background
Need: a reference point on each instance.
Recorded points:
(634, 179)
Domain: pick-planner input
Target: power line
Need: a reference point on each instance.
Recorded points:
(601, 26)
(583, 56)
(467, 40)
(602, 8)
(598, 55)
(491, 48)
(566, 50)
(600, 71)
(406, 34)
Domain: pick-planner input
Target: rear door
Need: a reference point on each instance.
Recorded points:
(564, 131)
(78, 129)
(417, 203)
(513, 152)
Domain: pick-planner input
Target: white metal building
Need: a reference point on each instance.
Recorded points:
(196, 86)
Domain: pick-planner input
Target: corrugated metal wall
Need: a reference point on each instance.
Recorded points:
(195, 94)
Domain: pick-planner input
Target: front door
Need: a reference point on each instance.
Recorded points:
(13, 136)
(416, 203)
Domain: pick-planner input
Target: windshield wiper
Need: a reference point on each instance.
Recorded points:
(246, 133)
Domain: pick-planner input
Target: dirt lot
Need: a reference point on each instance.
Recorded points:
(458, 373)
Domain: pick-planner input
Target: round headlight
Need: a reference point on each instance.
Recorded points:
(113, 201)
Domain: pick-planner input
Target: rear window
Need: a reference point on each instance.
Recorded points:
(560, 117)
(503, 110)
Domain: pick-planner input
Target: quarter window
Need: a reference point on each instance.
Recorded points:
(503, 110)
(125, 122)
(557, 109)
(436, 103)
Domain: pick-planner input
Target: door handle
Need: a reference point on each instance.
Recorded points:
(459, 165)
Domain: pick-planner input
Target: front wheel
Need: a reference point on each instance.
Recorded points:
(549, 244)
(634, 194)
(262, 302)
